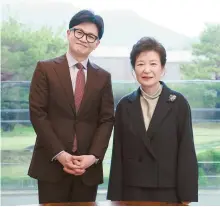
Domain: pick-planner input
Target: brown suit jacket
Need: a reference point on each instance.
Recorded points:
(53, 116)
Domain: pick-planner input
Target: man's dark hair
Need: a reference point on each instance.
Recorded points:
(147, 44)
(88, 16)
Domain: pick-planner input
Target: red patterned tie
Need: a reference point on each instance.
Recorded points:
(79, 91)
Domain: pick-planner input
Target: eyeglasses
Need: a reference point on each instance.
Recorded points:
(78, 33)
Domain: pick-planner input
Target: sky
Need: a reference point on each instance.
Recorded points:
(184, 16)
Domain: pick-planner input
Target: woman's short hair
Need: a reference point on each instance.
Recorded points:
(147, 44)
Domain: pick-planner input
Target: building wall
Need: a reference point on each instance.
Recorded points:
(121, 69)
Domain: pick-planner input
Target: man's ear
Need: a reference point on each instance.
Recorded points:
(97, 44)
(68, 32)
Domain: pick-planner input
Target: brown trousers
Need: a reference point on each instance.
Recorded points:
(70, 189)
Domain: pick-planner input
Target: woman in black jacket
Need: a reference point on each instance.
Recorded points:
(153, 156)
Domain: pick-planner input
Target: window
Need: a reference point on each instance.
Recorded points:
(29, 34)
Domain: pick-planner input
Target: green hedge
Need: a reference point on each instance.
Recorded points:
(199, 94)
(209, 169)
(209, 156)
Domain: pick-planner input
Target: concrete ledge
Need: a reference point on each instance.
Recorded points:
(100, 192)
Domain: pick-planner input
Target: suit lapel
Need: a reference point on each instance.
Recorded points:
(162, 109)
(63, 73)
(137, 119)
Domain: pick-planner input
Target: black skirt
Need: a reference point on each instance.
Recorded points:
(133, 193)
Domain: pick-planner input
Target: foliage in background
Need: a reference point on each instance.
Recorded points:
(209, 166)
(206, 62)
(22, 47)
(199, 95)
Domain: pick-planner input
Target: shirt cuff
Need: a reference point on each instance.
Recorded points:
(96, 159)
(55, 157)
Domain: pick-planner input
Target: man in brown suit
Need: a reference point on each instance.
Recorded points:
(72, 112)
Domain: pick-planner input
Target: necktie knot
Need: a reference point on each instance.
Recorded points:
(79, 66)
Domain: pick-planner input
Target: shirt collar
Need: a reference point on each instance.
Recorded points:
(71, 61)
(155, 95)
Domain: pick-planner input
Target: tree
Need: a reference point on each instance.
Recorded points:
(206, 63)
(23, 47)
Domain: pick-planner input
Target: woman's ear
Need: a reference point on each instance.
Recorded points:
(163, 72)
(133, 74)
(135, 77)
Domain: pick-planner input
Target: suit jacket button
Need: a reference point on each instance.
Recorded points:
(140, 159)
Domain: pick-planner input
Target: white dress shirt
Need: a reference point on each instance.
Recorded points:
(74, 70)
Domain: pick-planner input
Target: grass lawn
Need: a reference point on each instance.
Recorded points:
(14, 171)
(19, 130)
(17, 142)
(205, 135)
(18, 139)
